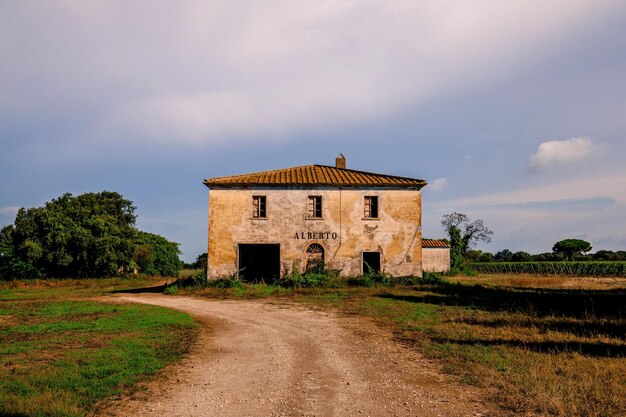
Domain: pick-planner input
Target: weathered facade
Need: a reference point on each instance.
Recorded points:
(265, 224)
(435, 255)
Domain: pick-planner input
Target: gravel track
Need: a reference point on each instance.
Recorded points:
(261, 359)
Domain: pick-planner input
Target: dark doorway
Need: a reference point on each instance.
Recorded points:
(371, 262)
(259, 263)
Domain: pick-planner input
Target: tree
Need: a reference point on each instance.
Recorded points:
(548, 257)
(155, 255)
(473, 255)
(456, 245)
(201, 261)
(609, 255)
(463, 234)
(90, 235)
(604, 255)
(12, 267)
(486, 257)
(571, 247)
(521, 256)
(503, 256)
(6, 242)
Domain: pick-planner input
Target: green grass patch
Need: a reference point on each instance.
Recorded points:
(58, 358)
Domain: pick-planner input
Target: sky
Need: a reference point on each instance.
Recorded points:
(514, 112)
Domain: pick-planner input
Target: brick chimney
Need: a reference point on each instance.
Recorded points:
(340, 161)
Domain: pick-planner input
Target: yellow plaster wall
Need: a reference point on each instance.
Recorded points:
(396, 234)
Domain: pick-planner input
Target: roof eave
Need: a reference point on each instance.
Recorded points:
(317, 185)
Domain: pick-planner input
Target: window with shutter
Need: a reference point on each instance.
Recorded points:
(314, 207)
(371, 207)
(259, 207)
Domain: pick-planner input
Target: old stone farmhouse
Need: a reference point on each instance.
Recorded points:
(268, 223)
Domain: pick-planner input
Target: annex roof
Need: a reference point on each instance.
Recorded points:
(435, 243)
(315, 175)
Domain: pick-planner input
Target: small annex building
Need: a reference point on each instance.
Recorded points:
(265, 224)
(435, 255)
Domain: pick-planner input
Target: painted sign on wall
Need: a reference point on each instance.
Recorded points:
(315, 235)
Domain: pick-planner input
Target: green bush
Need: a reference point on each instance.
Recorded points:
(192, 281)
(170, 289)
(577, 268)
(232, 282)
(155, 255)
(429, 278)
(311, 279)
(370, 280)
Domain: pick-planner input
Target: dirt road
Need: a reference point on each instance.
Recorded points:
(260, 359)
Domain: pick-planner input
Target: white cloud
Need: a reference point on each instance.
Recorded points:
(556, 152)
(208, 71)
(609, 184)
(437, 185)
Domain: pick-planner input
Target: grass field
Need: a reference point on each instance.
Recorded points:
(61, 353)
(555, 348)
(549, 345)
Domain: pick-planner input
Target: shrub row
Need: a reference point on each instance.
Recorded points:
(331, 279)
(579, 268)
(325, 279)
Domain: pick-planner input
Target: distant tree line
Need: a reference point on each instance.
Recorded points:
(563, 250)
(89, 235)
(506, 255)
(463, 234)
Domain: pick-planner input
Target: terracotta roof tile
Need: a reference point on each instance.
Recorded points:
(315, 175)
(435, 243)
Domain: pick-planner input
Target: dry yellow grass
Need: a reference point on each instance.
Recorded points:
(553, 346)
(544, 281)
